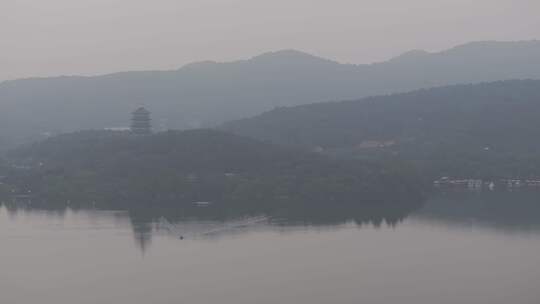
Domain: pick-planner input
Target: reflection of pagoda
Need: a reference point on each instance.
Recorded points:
(140, 122)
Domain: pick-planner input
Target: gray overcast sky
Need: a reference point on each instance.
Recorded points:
(66, 37)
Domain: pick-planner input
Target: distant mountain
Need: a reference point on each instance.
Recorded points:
(209, 93)
(182, 167)
(486, 130)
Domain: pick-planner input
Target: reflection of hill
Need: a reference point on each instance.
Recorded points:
(222, 219)
(287, 214)
(501, 210)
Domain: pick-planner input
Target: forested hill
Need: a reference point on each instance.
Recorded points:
(488, 129)
(209, 93)
(199, 165)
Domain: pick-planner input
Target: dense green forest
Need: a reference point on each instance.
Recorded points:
(118, 168)
(487, 130)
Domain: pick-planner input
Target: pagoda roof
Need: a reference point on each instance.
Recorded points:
(141, 110)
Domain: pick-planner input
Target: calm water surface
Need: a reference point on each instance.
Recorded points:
(459, 248)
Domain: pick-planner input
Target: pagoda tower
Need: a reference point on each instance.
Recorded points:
(140, 122)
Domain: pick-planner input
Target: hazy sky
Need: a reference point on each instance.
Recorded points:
(66, 37)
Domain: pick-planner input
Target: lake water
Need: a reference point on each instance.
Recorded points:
(459, 248)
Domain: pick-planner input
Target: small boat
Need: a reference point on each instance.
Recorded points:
(202, 204)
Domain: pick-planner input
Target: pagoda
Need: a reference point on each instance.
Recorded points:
(140, 122)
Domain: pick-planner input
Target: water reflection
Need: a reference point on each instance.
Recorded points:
(240, 254)
(508, 211)
(196, 221)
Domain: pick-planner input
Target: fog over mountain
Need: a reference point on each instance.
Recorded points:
(209, 93)
(486, 130)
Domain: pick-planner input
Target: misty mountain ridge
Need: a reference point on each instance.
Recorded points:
(486, 130)
(209, 93)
